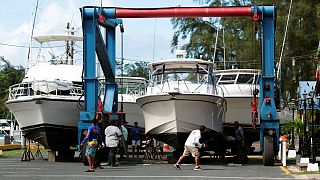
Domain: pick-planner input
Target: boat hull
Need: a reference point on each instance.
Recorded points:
(133, 113)
(166, 116)
(239, 109)
(50, 121)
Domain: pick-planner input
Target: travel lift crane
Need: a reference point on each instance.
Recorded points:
(107, 17)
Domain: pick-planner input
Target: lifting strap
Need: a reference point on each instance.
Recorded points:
(254, 112)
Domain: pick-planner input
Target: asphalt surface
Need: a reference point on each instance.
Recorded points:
(12, 168)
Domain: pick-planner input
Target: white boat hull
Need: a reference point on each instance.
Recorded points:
(181, 113)
(239, 109)
(47, 120)
(133, 113)
(45, 110)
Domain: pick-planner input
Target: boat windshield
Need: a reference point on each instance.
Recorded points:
(191, 72)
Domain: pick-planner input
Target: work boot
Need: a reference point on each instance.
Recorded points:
(197, 168)
(177, 166)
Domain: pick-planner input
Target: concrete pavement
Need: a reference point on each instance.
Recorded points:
(11, 168)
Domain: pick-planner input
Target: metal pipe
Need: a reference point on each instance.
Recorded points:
(313, 157)
(305, 128)
(185, 12)
(292, 128)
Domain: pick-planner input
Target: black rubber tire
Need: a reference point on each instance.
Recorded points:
(268, 151)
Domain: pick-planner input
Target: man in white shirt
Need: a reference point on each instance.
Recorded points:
(191, 147)
(113, 134)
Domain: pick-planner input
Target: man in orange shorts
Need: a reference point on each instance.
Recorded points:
(191, 147)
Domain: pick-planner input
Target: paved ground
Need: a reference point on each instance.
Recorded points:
(12, 168)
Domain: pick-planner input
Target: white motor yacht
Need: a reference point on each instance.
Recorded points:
(46, 102)
(130, 88)
(181, 96)
(238, 86)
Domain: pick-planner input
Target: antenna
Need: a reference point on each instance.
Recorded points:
(33, 25)
(154, 39)
(223, 42)
(283, 43)
(67, 45)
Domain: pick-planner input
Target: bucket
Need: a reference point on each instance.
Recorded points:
(165, 147)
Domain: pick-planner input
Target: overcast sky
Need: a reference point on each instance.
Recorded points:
(16, 22)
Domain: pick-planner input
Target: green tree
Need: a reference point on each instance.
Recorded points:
(9, 75)
(242, 38)
(137, 69)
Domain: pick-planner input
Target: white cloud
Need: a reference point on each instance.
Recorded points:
(53, 16)
(51, 19)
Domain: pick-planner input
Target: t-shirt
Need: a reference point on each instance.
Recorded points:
(136, 133)
(112, 136)
(124, 132)
(193, 138)
(94, 132)
(239, 133)
(254, 106)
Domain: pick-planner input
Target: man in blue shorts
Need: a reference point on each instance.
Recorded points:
(136, 133)
(94, 139)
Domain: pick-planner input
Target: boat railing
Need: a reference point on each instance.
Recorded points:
(134, 91)
(65, 61)
(153, 84)
(33, 62)
(33, 88)
(221, 92)
(139, 90)
(181, 85)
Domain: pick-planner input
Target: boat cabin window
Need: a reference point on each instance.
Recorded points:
(245, 79)
(158, 69)
(228, 79)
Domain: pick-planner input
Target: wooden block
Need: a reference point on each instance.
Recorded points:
(302, 166)
(51, 156)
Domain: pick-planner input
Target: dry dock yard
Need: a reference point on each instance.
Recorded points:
(12, 168)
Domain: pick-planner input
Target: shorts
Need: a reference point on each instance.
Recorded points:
(190, 150)
(136, 143)
(91, 151)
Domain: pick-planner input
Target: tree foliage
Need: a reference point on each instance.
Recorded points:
(243, 40)
(136, 69)
(9, 75)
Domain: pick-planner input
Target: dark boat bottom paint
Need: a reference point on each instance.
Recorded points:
(215, 141)
(53, 137)
(60, 138)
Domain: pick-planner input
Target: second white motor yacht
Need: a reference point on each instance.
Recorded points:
(181, 96)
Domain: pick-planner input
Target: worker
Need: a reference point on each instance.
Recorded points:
(113, 134)
(254, 112)
(241, 155)
(101, 150)
(136, 133)
(123, 139)
(191, 147)
(94, 139)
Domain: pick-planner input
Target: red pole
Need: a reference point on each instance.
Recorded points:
(185, 12)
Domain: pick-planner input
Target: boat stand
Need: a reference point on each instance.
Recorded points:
(27, 153)
(152, 152)
(38, 152)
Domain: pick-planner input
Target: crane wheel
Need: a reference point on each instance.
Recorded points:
(268, 151)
